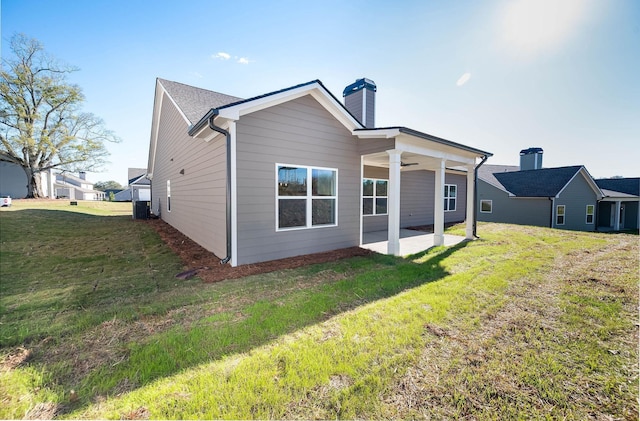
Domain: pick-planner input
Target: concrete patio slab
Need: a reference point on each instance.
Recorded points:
(411, 241)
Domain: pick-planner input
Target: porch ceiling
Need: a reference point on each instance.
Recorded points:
(415, 162)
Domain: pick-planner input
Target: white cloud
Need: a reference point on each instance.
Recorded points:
(463, 79)
(243, 60)
(222, 56)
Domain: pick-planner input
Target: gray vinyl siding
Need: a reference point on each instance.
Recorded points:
(198, 196)
(575, 197)
(353, 103)
(511, 210)
(370, 146)
(299, 132)
(417, 192)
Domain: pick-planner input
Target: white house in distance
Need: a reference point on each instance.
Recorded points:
(75, 188)
(13, 182)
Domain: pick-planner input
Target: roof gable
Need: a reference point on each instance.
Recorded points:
(315, 88)
(545, 182)
(195, 102)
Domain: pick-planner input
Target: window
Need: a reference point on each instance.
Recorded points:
(560, 215)
(590, 212)
(450, 197)
(168, 195)
(486, 206)
(374, 196)
(300, 204)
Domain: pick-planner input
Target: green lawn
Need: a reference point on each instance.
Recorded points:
(523, 323)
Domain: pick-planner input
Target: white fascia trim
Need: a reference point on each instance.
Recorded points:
(184, 117)
(589, 181)
(419, 147)
(160, 94)
(377, 134)
(315, 90)
(234, 195)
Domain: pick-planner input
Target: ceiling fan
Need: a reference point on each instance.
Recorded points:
(408, 164)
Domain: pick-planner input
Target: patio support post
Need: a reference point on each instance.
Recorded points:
(438, 207)
(616, 223)
(393, 244)
(471, 205)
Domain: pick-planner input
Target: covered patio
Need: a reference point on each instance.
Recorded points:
(397, 149)
(411, 241)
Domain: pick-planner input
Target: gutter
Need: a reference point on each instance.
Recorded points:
(475, 194)
(212, 114)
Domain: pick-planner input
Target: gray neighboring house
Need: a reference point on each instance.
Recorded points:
(562, 197)
(295, 171)
(618, 209)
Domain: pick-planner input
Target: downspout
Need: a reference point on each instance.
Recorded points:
(475, 194)
(228, 135)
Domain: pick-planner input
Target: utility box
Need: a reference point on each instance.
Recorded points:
(141, 210)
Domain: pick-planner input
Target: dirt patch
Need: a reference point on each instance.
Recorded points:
(207, 267)
(15, 358)
(42, 411)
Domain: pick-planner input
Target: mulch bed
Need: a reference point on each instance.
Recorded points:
(207, 265)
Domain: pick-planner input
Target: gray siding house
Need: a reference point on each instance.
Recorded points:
(295, 172)
(563, 197)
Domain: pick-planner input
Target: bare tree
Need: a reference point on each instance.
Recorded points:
(41, 124)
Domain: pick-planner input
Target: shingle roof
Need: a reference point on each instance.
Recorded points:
(545, 182)
(487, 173)
(195, 102)
(622, 185)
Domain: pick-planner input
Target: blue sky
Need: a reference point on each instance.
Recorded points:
(497, 75)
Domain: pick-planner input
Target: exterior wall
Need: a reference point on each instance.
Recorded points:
(13, 180)
(299, 132)
(513, 210)
(371, 223)
(631, 215)
(417, 192)
(198, 196)
(575, 197)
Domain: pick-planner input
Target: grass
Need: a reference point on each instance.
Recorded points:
(524, 323)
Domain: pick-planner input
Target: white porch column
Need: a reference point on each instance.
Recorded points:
(393, 244)
(438, 206)
(471, 205)
(616, 221)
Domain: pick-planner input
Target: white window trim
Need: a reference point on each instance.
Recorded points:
(564, 214)
(309, 198)
(447, 198)
(375, 196)
(490, 205)
(593, 215)
(168, 195)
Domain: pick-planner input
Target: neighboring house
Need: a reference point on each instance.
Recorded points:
(295, 171)
(138, 187)
(69, 186)
(13, 181)
(618, 209)
(563, 197)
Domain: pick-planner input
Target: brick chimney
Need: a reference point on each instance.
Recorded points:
(531, 159)
(360, 100)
